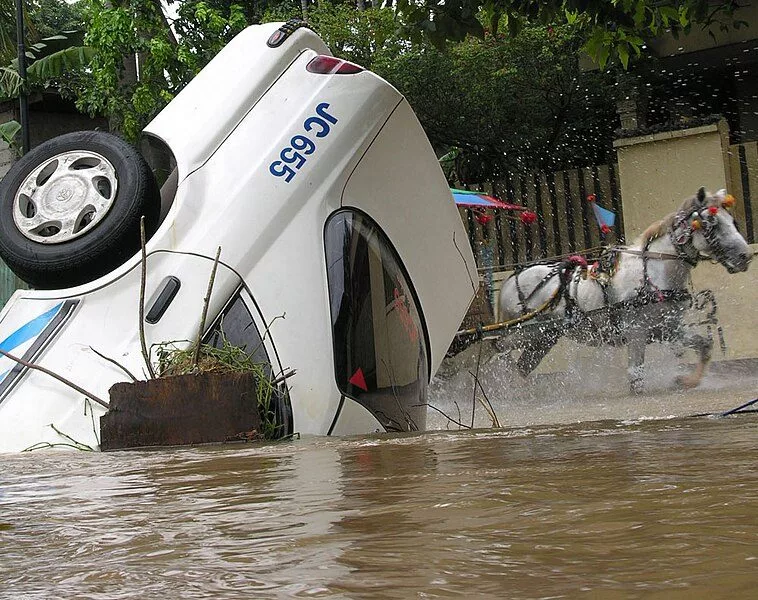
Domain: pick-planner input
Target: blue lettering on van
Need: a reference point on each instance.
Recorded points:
(293, 157)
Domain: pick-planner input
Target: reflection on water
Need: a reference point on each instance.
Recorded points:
(658, 509)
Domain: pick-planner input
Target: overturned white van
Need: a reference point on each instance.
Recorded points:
(326, 198)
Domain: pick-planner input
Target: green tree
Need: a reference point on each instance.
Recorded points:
(358, 35)
(119, 32)
(8, 47)
(55, 49)
(509, 103)
(50, 62)
(51, 17)
(612, 30)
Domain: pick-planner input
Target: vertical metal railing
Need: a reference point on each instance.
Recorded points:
(743, 166)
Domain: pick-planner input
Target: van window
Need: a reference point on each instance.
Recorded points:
(236, 326)
(380, 353)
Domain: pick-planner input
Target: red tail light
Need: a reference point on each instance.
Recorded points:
(328, 65)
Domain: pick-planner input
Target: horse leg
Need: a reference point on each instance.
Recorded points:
(536, 349)
(636, 362)
(703, 346)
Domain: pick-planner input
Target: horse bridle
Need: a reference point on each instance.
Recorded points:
(683, 228)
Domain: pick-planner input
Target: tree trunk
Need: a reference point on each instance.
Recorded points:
(127, 78)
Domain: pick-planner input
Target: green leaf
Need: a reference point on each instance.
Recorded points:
(10, 82)
(61, 62)
(603, 56)
(639, 15)
(684, 19)
(668, 14)
(8, 132)
(623, 52)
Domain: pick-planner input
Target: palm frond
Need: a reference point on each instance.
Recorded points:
(56, 64)
(10, 82)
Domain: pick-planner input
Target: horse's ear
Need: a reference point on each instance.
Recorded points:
(701, 196)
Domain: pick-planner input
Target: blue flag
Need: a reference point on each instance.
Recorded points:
(603, 215)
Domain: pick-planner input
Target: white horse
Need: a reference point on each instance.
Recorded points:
(640, 299)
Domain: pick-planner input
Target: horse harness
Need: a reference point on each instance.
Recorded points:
(680, 234)
(570, 270)
(565, 271)
(573, 268)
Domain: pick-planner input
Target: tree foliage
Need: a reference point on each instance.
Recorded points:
(51, 17)
(48, 61)
(8, 48)
(613, 30)
(120, 31)
(509, 103)
(360, 36)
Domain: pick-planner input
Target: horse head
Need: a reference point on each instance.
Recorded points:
(704, 225)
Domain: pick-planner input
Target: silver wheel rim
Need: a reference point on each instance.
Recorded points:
(65, 197)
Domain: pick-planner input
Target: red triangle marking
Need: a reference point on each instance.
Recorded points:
(358, 380)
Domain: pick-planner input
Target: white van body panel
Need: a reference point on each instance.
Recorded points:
(429, 236)
(205, 112)
(375, 157)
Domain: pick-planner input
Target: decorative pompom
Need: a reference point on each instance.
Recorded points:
(605, 229)
(577, 259)
(528, 217)
(729, 201)
(483, 218)
(591, 198)
(696, 224)
(713, 210)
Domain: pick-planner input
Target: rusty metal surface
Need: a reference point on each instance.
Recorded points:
(180, 410)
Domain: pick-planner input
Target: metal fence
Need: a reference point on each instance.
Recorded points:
(565, 220)
(743, 172)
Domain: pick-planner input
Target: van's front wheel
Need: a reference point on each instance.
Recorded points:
(70, 209)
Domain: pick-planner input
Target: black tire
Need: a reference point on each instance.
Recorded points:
(97, 251)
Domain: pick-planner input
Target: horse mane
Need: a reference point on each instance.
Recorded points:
(660, 228)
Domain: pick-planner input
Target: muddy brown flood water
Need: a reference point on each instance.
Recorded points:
(611, 509)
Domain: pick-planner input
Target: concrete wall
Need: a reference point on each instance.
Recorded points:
(7, 158)
(658, 171)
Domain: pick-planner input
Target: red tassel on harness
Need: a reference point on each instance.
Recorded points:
(578, 260)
